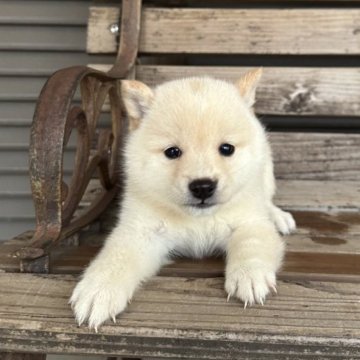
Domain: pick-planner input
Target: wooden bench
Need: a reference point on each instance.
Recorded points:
(183, 313)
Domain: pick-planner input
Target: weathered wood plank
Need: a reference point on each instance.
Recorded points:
(21, 356)
(244, 31)
(318, 195)
(100, 37)
(185, 318)
(282, 91)
(311, 156)
(306, 265)
(290, 91)
(251, 31)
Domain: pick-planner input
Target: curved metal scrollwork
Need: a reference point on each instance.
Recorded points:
(97, 151)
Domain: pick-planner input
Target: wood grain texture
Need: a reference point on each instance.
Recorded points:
(282, 90)
(318, 195)
(311, 156)
(185, 318)
(244, 31)
(99, 37)
(21, 356)
(251, 31)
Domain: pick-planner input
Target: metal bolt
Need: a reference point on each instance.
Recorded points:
(114, 28)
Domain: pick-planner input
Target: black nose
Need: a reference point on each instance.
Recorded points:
(202, 188)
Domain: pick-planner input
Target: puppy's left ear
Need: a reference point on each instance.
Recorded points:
(137, 98)
(247, 85)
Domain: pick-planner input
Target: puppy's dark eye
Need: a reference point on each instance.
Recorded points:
(172, 152)
(226, 149)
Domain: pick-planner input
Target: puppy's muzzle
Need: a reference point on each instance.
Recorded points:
(202, 188)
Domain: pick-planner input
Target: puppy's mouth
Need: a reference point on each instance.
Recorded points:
(202, 205)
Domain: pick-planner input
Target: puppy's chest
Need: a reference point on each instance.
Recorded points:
(201, 238)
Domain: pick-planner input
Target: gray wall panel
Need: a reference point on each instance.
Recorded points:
(12, 226)
(10, 158)
(44, 63)
(13, 134)
(16, 113)
(50, 38)
(19, 159)
(21, 88)
(19, 206)
(44, 12)
(13, 181)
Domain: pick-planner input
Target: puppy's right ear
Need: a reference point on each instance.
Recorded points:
(247, 85)
(137, 98)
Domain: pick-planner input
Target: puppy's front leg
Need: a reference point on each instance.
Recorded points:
(254, 254)
(129, 256)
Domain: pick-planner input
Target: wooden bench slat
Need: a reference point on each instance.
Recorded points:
(318, 195)
(282, 91)
(250, 31)
(312, 266)
(181, 317)
(241, 31)
(311, 156)
(298, 265)
(306, 263)
(99, 34)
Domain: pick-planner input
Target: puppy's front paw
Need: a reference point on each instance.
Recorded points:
(250, 283)
(283, 220)
(96, 299)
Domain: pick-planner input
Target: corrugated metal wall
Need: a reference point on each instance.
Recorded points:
(36, 38)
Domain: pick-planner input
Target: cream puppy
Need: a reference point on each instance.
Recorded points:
(199, 178)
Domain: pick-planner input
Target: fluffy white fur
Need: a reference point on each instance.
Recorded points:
(159, 215)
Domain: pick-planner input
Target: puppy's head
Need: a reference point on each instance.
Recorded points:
(194, 143)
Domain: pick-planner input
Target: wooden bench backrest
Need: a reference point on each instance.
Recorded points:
(180, 42)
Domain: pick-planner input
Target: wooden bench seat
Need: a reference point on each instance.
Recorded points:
(185, 317)
(311, 78)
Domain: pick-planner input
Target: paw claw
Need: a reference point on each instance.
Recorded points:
(251, 282)
(96, 302)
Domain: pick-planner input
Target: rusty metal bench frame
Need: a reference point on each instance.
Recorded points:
(56, 116)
